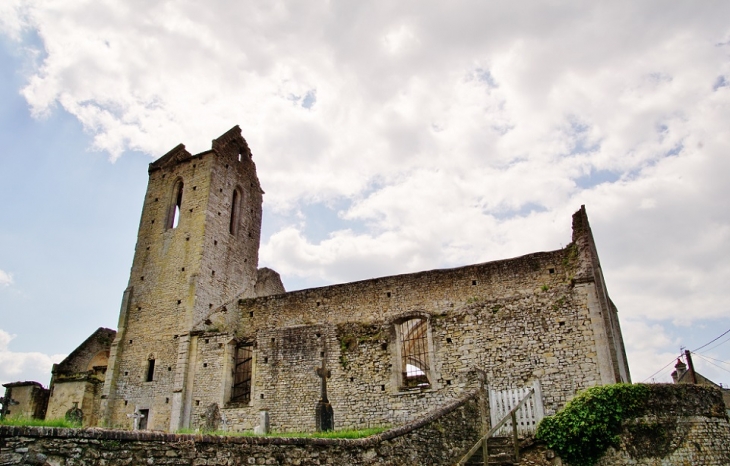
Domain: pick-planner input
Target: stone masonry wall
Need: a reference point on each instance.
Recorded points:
(29, 400)
(179, 274)
(437, 439)
(685, 425)
(682, 426)
(514, 320)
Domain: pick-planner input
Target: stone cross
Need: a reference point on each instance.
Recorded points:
(136, 416)
(324, 374)
(7, 402)
(324, 412)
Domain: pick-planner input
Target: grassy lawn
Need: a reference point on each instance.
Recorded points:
(345, 433)
(24, 421)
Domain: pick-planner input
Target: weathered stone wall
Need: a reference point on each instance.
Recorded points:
(437, 439)
(686, 424)
(94, 351)
(85, 391)
(536, 316)
(30, 400)
(180, 274)
(194, 294)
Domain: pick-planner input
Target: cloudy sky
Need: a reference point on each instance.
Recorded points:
(389, 137)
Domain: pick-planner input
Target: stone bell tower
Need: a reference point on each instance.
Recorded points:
(197, 248)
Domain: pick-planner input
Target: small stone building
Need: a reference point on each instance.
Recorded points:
(24, 399)
(75, 382)
(205, 337)
(78, 379)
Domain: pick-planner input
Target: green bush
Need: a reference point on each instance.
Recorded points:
(582, 431)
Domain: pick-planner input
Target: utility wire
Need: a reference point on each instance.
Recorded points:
(712, 341)
(707, 357)
(715, 346)
(667, 365)
(710, 362)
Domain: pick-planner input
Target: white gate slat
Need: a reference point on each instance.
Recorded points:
(527, 417)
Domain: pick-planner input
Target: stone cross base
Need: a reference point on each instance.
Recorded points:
(325, 417)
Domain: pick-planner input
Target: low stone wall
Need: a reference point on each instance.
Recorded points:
(684, 425)
(437, 439)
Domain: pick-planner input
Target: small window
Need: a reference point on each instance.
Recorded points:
(176, 205)
(414, 361)
(150, 370)
(235, 208)
(242, 375)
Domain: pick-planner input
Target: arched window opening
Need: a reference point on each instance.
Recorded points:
(174, 216)
(414, 353)
(242, 374)
(235, 208)
(150, 370)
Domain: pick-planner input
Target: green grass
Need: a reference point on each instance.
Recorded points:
(344, 433)
(25, 421)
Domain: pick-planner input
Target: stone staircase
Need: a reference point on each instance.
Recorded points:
(501, 452)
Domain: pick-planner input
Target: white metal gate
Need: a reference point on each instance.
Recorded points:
(528, 416)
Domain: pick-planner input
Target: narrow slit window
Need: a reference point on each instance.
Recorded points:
(150, 370)
(242, 375)
(414, 353)
(174, 217)
(235, 207)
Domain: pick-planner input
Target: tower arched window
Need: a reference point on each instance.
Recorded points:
(235, 211)
(176, 205)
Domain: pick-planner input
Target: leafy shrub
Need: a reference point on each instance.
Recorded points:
(582, 431)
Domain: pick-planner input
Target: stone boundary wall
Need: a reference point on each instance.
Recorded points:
(683, 424)
(436, 439)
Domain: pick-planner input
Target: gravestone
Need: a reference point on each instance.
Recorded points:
(74, 414)
(211, 418)
(263, 427)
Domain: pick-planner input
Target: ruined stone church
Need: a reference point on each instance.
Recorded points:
(202, 328)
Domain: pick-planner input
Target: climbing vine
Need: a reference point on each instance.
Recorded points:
(582, 431)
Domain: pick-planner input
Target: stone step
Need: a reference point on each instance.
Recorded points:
(501, 453)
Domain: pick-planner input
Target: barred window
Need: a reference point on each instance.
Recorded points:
(414, 353)
(242, 375)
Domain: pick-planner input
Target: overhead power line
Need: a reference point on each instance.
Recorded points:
(716, 345)
(712, 341)
(710, 362)
(716, 360)
(667, 365)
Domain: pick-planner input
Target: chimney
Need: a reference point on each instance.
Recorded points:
(681, 368)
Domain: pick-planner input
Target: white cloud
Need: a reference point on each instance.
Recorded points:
(32, 366)
(455, 134)
(6, 278)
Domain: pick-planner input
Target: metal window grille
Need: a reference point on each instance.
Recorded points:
(242, 375)
(414, 353)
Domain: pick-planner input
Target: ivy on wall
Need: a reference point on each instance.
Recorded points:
(582, 431)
